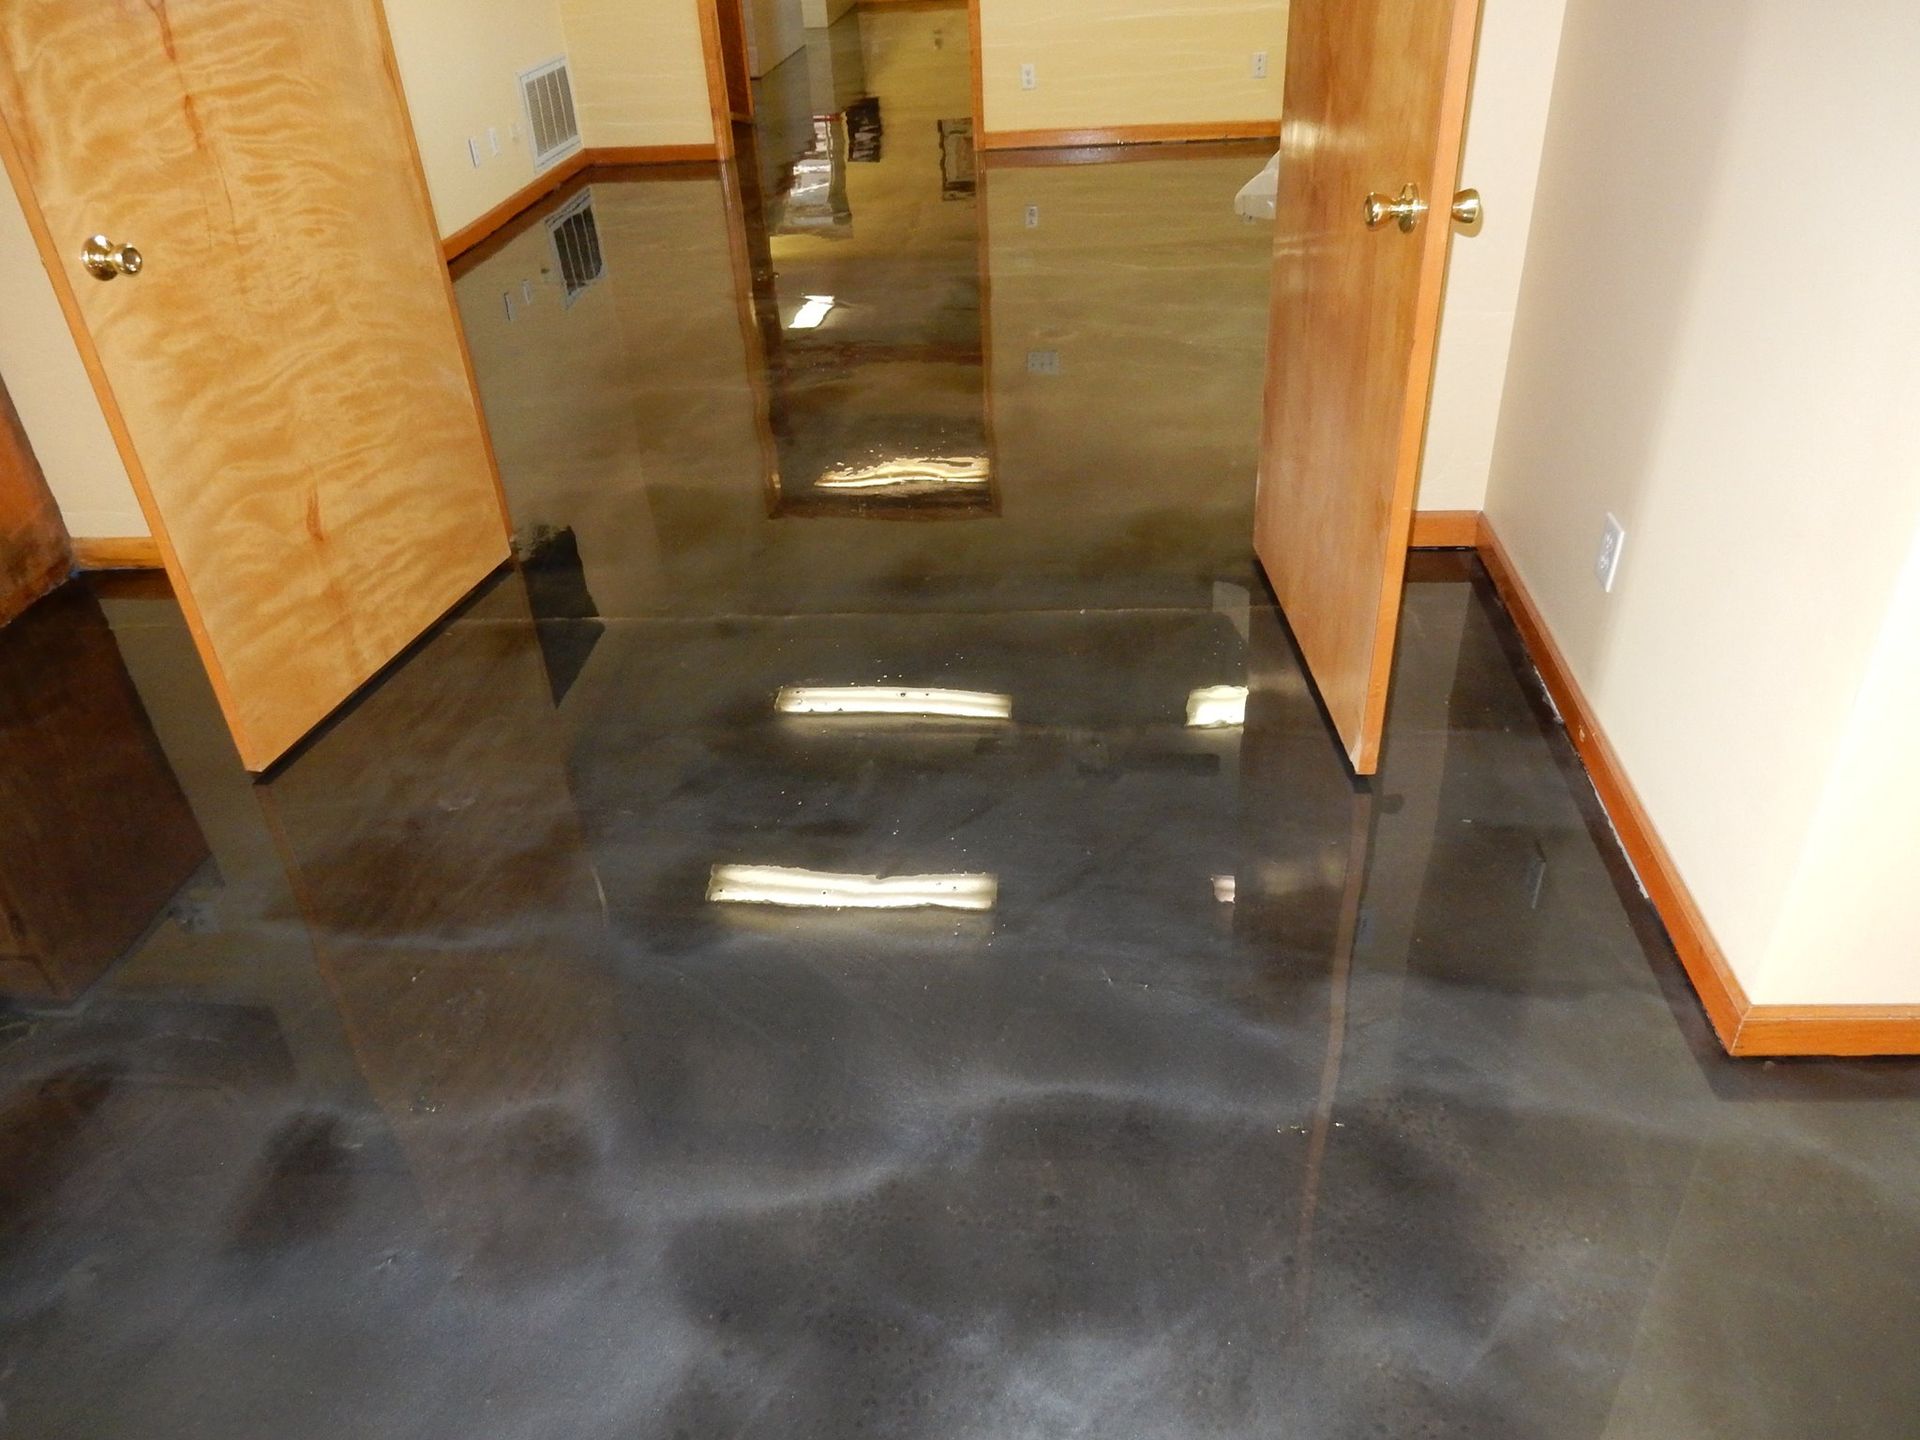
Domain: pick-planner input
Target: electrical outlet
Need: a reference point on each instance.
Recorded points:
(1043, 362)
(473, 151)
(526, 292)
(1033, 217)
(1028, 77)
(1606, 565)
(493, 138)
(1259, 64)
(513, 131)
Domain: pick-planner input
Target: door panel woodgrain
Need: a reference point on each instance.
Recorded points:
(1376, 96)
(286, 377)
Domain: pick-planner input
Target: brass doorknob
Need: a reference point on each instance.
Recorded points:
(1467, 209)
(104, 259)
(1407, 207)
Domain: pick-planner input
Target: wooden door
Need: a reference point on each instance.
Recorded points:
(1376, 99)
(285, 376)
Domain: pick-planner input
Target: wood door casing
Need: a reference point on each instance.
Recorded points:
(1376, 96)
(35, 553)
(733, 59)
(286, 379)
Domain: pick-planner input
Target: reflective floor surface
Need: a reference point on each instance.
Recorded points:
(485, 1072)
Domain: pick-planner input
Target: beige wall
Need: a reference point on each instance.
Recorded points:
(639, 70)
(57, 406)
(1506, 127)
(776, 29)
(818, 14)
(1715, 343)
(1850, 928)
(639, 78)
(1117, 62)
(459, 62)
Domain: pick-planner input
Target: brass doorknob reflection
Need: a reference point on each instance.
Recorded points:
(104, 259)
(1407, 207)
(1467, 209)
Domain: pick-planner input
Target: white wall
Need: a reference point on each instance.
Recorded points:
(1715, 343)
(1506, 128)
(51, 391)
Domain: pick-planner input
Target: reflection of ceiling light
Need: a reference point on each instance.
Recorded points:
(909, 472)
(809, 316)
(891, 700)
(817, 890)
(1223, 889)
(1217, 707)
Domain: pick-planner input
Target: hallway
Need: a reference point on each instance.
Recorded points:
(476, 1080)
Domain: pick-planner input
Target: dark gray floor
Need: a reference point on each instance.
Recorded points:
(441, 1102)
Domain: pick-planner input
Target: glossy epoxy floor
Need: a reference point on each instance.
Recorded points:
(435, 1099)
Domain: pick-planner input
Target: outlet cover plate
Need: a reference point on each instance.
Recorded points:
(1606, 564)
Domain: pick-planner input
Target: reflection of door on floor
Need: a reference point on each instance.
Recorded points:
(87, 867)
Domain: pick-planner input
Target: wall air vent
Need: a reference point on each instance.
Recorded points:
(576, 245)
(553, 130)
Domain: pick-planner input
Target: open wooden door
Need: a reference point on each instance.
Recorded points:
(284, 374)
(1376, 103)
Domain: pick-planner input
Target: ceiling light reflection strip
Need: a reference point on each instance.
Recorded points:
(1217, 707)
(809, 315)
(910, 471)
(893, 700)
(822, 890)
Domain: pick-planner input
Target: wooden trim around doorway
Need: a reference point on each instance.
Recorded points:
(1181, 134)
(122, 552)
(1744, 1029)
(719, 98)
(979, 75)
(1446, 529)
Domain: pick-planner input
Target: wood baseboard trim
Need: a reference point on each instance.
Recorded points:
(548, 181)
(1744, 1028)
(653, 155)
(126, 552)
(1182, 134)
(1446, 530)
(532, 193)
